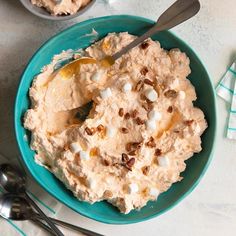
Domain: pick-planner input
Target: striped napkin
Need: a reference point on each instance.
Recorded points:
(226, 89)
(47, 203)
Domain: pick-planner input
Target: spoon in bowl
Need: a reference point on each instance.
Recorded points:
(176, 14)
(13, 181)
(16, 207)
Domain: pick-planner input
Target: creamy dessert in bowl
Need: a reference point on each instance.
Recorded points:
(62, 7)
(141, 130)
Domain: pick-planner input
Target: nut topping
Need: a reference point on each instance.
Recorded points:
(171, 94)
(144, 45)
(106, 162)
(90, 131)
(107, 194)
(100, 128)
(151, 143)
(144, 71)
(128, 147)
(139, 121)
(146, 170)
(127, 116)
(124, 157)
(124, 130)
(170, 109)
(134, 114)
(139, 86)
(158, 152)
(188, 122)
(136, 145)
(121, 112)
(147, 106)
(149, 82)
(130, 162)
(132, 153)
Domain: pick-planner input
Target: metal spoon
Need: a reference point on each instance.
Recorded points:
(15, 207)
(176, 14)
(13, 181)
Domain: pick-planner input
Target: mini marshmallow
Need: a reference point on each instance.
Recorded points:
(154, 115)
(197, 129)
(182, 95)
(91, 183)
(106, 93)
(163, 161)
(127, 87)
(84, 155)
(151, 95)
(175, 84)
(151, 124)
(110, 132)
(75, 148)
(133, 188)
(97, 76)
(154, 192)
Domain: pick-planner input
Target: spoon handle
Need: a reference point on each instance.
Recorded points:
(71, 226)
(176, 14)
(44, 226)
(44, 217)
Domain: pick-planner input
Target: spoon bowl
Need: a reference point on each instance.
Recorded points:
(14, 207)
(11, 179)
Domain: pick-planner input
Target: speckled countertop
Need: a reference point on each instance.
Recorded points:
(211, 208)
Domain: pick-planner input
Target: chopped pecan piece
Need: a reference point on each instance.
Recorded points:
(107, 194)
(147, 106)
(151, 143)
(134, 114)
(90, 131)
(121, 112)
(127, 116)
(188, 122)
(171, 93)
(149, 82)
(124, 130)
(146, 170)
(136, 145)
(124, 157)
(100, 128)
(139, 121)
(132, 153)
(128, 147)
(139, 86)
(130, 162)
(144, 45)
(170, 109)
(158, 152)
(106, 162)
(144, 71)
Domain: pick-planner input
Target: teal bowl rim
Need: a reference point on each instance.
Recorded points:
(100, 219)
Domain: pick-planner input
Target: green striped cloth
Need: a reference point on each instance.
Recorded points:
(47, 203)
(226, 89)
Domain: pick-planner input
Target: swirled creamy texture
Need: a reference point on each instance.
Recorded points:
(65, 7)
(142, 128)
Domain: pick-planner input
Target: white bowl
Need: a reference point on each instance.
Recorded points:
(43, 13)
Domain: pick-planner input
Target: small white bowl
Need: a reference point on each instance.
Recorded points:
(43, 13)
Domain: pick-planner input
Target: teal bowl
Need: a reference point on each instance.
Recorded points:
(74, 38)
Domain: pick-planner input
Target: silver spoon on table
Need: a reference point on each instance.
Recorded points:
(16, 207)
(13, 181)
(176, 14)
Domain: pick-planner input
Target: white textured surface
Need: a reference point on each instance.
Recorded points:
(211, 208)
